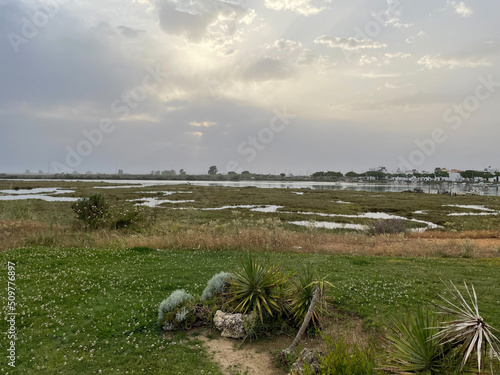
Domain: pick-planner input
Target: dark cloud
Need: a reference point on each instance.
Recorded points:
(214, 22)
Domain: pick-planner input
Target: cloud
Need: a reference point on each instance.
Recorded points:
(460, 8)
(129, 32)
(293, 52)
(451, 62)
(303, 7)
(349, 44)
(398, 55)
(379, 75)
(388, 57)
(217, 24)
(204, 124)
(367, 60)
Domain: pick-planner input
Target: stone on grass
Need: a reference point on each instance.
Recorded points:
(231, 325)
(309, 357)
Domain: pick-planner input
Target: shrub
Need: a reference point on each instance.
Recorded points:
(123, 217)
(388, 226)
(254, 287)
(343, 358)
(467, 330)
(91, 210)
(413, 347)
(217, 285)
(96, 213)
(173, 312)
(304, 286)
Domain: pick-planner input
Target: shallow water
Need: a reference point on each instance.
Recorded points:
(433, 188)
(329, 225)
(471, 206)
(155, 202)
(36, 191)
(47, 198)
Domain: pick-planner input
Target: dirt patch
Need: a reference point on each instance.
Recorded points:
(256, 358)
(235, 357)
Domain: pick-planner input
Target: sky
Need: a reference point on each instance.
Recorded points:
(268, 86)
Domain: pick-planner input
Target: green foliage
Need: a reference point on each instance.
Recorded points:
(96, 213)
(173, 312)
(91, 210)
(123, 217)
(284, 360)
(388, 226)
(304, 286)
(467, 330)
(212, 170)
(327, 175)
(413, 347)
(217, 285)
(343, 358)
(254, 287)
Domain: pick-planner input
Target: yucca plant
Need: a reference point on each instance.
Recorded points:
(254, 287)
(318, 297)
(413, 347)
(467, 331)
(304, 286)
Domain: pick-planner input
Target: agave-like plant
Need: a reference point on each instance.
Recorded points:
(255, 287)
(304, 287)
(413, 347)
(468, 330)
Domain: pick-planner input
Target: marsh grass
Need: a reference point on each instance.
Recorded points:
(33, 222)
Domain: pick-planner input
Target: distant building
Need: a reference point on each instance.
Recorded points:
(438, 169)
(455, 176)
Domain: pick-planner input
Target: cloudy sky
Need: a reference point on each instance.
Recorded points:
(264, 85)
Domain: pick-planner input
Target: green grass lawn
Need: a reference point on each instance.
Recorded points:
(82, 311)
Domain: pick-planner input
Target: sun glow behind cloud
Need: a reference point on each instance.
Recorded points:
(335, 65)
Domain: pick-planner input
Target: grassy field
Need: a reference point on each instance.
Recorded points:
(82, 311)
(195, 224)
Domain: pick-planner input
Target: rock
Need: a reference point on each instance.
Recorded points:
(231, 325)
(309, 357)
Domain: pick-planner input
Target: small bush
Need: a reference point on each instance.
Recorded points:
(173, 312)
(284, 360)
(389, 226)
(301, 297)
(96, 213)
(412, 346)
(344, 358)
(91, 210)
(217, 285)
(254, 287)
(123, 217)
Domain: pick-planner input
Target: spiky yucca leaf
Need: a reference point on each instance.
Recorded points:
(301, 297)
(254, 287)
(412, 346)
(468, 330)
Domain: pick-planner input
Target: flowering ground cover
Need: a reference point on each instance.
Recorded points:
(91, 311)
